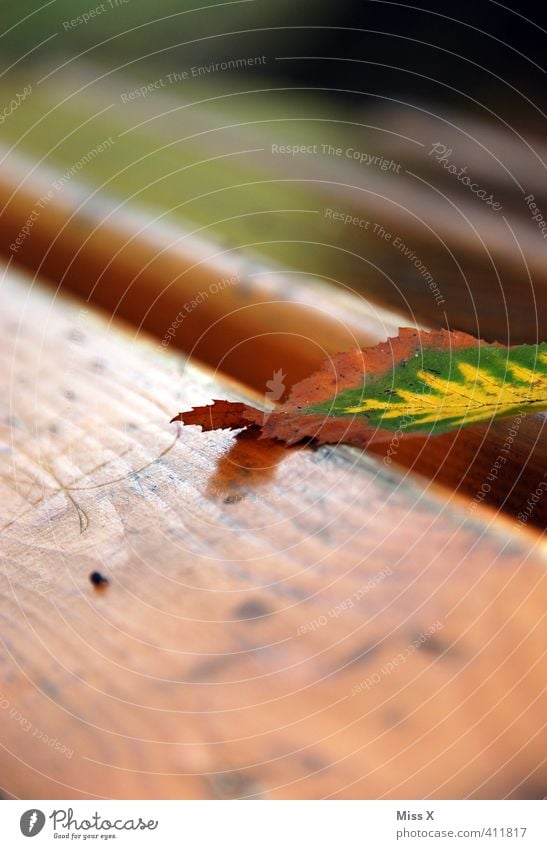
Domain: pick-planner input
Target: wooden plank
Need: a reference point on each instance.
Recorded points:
(468, 462)
(174, 285)
(215, 303)
(279, 623)
(432, 249)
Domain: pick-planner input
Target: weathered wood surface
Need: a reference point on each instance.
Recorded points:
(209, 301)
(171, 283)
(257, 636)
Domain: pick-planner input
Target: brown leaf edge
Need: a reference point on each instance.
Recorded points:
(289, 425)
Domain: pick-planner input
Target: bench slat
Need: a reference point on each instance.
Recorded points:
(279, 623)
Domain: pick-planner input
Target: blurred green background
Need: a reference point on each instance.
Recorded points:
(196, 150)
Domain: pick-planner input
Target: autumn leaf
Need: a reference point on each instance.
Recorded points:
(222, 415)
(426, 383)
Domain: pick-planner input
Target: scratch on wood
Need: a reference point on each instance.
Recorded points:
(68, 489)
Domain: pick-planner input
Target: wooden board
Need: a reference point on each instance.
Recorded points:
(278, 624)
(426, 246)
(174, 285)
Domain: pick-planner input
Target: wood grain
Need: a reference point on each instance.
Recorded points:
(160, 279)
(258, 635)
(214, 303)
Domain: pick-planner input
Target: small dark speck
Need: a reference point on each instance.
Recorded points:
(312, 763)
(233, 499)
(98, 579)
(393, 717)
(309, 441)
(361, 654)
(70, 395)
(433, 646)
(49, 688)
(76, 336)
(252, 609)
(232, 785)
(207, 669)
(98, 366)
